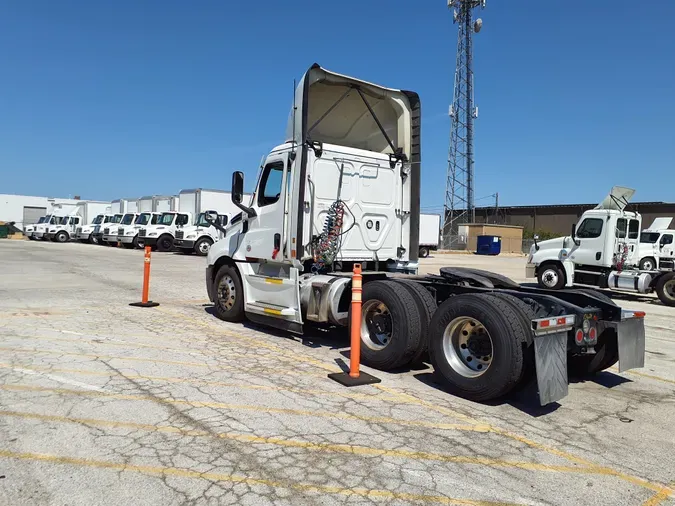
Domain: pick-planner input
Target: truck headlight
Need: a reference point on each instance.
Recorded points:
(152, 234)
(131, 232)
(191, 236)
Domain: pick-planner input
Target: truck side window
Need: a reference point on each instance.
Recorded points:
(181, 220)
(666, 239)
(621, 225)
(270, 184)
(590, 228)
(634, 229)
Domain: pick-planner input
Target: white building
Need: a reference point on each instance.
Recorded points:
(25, 210)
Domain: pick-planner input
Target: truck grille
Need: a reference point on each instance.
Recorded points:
(106, 231)
(179, 234)
(141, 232)
(120, 231)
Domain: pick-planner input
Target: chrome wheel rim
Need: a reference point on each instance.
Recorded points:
(227, 293)
(648, 265)
(550, 278)
(204, 247)
(467, 346)
(376, 325)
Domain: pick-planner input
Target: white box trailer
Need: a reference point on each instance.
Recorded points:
(145, 204)
(430, 229)
(164, 203)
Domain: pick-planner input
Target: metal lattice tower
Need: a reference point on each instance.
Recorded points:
(459, 204)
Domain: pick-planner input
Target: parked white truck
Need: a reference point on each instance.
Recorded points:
(430, 230)
(127, 232)
(28, 230)
(91, 233)
(84, 214)
(200, 236)
(602, 251)
(126, 208)
(657, 250)
(345, 189)
(56, 218)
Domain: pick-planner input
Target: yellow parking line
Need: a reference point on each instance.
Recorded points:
(645, 375)
(211, 476)
(327, 393)
(247, 407)
(659, 497)
(291, 443)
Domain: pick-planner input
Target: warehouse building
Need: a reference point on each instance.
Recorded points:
(25, 210)
(557, 220)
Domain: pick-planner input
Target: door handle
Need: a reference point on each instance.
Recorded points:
(277, 246)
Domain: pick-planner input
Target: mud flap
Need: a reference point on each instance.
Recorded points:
(631, 340)
(550, 352)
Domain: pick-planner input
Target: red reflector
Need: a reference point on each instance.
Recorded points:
(561, 321)
(592, 334)
(579, 336)
(545, 323)
(639, 314)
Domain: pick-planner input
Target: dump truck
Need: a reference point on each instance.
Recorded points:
(344, 189)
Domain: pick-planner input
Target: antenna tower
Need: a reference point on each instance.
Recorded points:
(459, 204)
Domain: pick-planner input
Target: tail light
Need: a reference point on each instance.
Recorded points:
(593, 335)
(579, 336)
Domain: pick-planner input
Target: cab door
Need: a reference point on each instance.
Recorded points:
(591, 235)
(666, 246)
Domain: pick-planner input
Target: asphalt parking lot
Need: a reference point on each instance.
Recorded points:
(102, 403)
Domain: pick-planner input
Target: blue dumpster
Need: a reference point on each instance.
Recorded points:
(488, 245)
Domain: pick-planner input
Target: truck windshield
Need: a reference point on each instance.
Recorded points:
(42, 220)
(117, 218)
(52, 220)
(97, 220)
(127, 220)
(142, 219)
(201, 220)
(63, 220)
(182, 220)
(166, 219)
(649, 237)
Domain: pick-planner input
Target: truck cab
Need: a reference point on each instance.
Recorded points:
(127, 233)
(343, 189)
(161, 235)
(42, 229)
(30, 229)
(199, 238)
(65, 230)
(86, 233)
(657, 249)
(108, 230)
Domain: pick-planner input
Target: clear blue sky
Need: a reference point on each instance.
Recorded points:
(122, 99)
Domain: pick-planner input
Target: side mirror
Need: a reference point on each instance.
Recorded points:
(238, 193)
(574, 234)
(214, 222)
(536, 238)
(237, 187)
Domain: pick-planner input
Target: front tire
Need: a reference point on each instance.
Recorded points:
(61, 237)
(551, 277)
(424, 252)
(165, 243)
(648, 264)
(229, 295)
(665, 289)
(390, 325)
(476, 346)
(203, 246)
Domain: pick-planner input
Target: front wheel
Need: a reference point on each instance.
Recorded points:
(647, 264)
(93, 239)
(61, 237)
(424, 252)
(551, 277)
(665, 289)
(476, 346)
(229, 295)
(203, 246)
(165, 243)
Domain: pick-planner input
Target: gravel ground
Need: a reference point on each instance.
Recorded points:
(102, 403)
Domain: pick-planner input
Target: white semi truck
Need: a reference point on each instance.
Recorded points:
(28, 230)
(90, 233)
(126, 208)
(602, 251)
(200, 236)
(84, 213)
(56, 218)
(430, 230)
(656, 247)
(344, 189)
(127, 232)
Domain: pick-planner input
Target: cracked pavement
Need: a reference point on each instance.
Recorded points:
(103, 403)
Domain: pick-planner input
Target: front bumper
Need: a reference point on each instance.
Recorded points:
(126, 239)
(38, 235)
(183, 244)
(209, 283)
(109, 238)
(83, 236)
(148, 241)
(530, 271)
